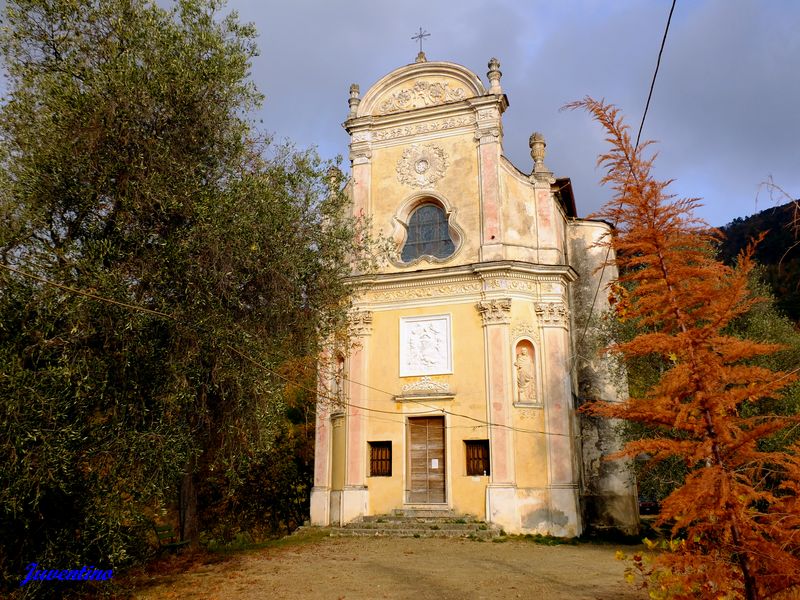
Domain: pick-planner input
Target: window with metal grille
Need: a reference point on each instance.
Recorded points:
(380, 459)
(477, 457)
(428, 234)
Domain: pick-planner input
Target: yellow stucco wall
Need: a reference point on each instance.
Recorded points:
(467, 382)
(458, 189)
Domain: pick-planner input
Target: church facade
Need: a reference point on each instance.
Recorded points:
(459, 387)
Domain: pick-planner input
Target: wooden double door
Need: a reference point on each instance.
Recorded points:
(426, 460)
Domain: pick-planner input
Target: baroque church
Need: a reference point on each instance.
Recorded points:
(467, 360)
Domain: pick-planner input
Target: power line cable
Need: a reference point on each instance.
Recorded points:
(253, 361)
(636, 147)
(437, 410)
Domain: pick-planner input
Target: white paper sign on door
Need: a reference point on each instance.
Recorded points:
(434, 463)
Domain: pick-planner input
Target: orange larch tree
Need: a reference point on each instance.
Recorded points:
(737, 516)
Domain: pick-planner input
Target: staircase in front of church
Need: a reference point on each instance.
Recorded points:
(419, 523)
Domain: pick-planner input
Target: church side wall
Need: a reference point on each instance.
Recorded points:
(609, 490)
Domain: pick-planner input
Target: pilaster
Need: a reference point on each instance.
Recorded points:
(488, 134)
(361, 169)
(501, 505)
(320, 493)
(563, 481)
(354, 495)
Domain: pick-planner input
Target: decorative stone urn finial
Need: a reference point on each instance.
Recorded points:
(538, 145)
(354, 100)
(494, 76)
(334, 176)
(421, 57)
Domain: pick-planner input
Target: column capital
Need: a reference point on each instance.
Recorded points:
(552, 314)
(495, 312)
(360, 322)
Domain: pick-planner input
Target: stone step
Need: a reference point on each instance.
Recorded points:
(418, 523)
(481, 534)
(426, 512)
(465, 520)
(433, 526)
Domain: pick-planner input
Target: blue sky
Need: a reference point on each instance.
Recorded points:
(724, 110)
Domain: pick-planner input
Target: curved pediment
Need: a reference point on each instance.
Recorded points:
(420, 85)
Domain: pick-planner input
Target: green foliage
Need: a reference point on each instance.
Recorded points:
(160, 264)
(778, 252)
(269, 497)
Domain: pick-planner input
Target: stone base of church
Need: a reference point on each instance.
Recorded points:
(501, 507)
(320, 506)
(353, 503)
(337, 507)
(545, 511)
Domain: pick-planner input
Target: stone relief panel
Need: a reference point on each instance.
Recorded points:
(425, 346)
(521, 285)
(421, 94)
(360, 322)
(430, 291)
(361, 136)
(530, 330)
(426, 384)
(527, 414)
(422, 166)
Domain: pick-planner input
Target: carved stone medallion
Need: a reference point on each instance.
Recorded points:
(422, 166)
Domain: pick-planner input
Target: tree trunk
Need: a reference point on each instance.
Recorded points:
(187, 506)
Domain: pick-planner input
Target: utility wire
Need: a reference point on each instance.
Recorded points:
(655, 74)
(636, 147)
(253, 361)
(432, 409)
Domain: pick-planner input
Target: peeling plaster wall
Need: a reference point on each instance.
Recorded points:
(609, 491)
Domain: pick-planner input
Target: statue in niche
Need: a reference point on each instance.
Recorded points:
(526, 379)
(338, 379)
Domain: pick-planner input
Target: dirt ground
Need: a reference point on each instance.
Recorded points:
(418, 569)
